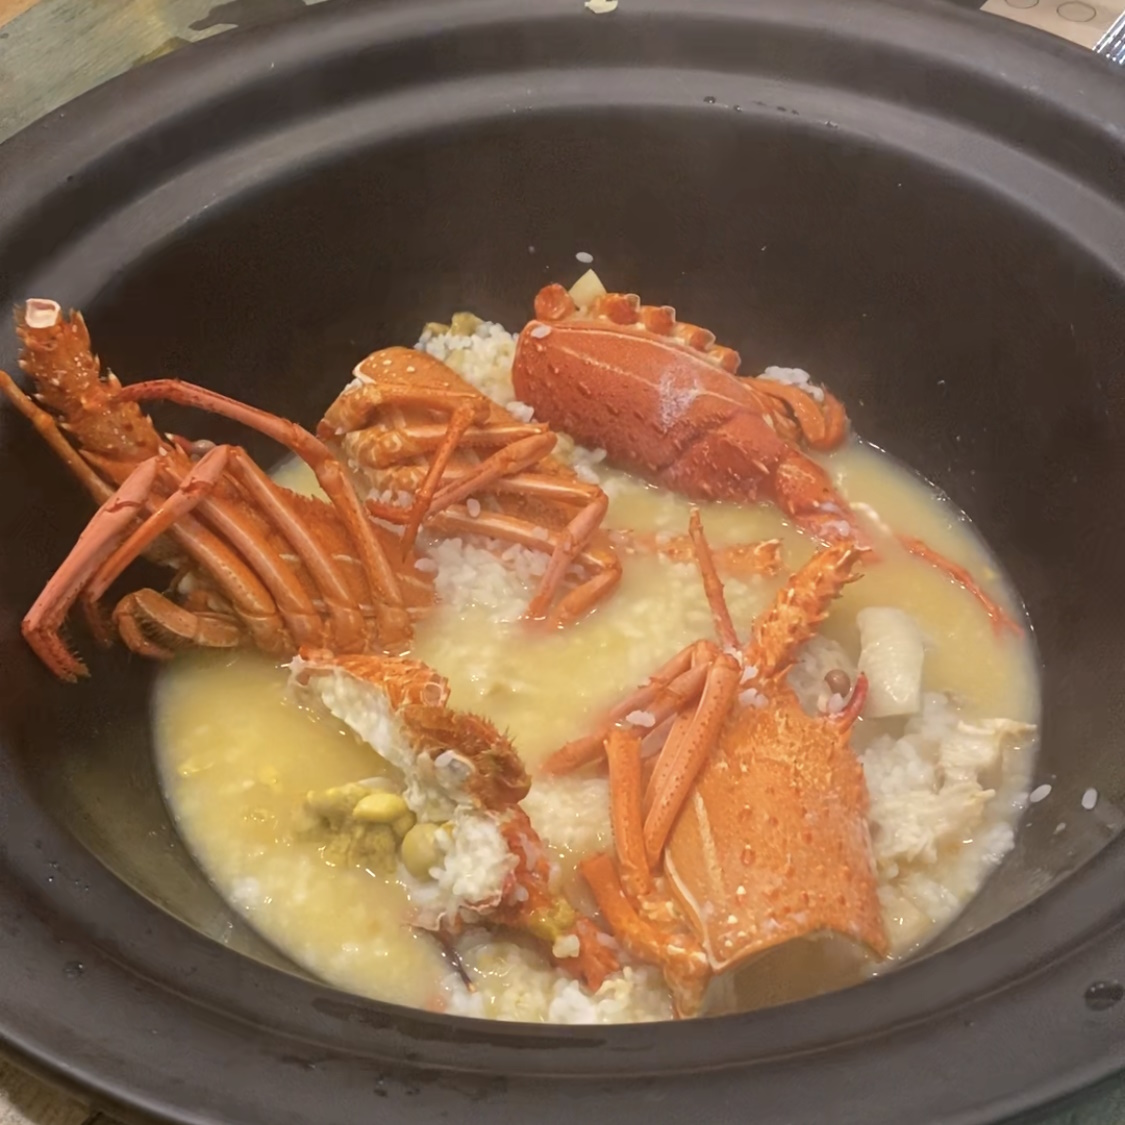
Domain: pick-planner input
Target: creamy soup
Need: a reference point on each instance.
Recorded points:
(239, 755)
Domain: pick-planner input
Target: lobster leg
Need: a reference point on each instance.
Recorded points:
(502, 464)
(202, 478)
(682, 959)
(329, 473)
(145, 612)
(676, 731)
(712, 584)
(822, 425)
(515, 530)
(111, 521)
(155, 611)
(461, 419)
(673, 736)
(408, 478)
(671, 688)
(576, 535)
(456, 520)
(1000, 619)
(607, 565)
(378, 447)
(346, 616)
(848, 715)
(357, 407)
(741, 560)
(582, 598)
(494, 473)
(290, 606)
(677, 770)
(623, 753)
(237, 582)
(526, 484)
(130, 631)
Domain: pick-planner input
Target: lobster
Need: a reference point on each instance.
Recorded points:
(254, 562)
(410, 426)
(463, 783)
(751, 829)
(666, 401)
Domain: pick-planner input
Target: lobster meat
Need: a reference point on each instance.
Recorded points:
(411, 426)
(751, 829)
(255, 563)
(664, 400)
(463, 784)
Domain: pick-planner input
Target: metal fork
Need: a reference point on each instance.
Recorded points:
(1112, 44)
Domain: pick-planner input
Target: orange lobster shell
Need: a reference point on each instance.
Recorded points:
(662, 398)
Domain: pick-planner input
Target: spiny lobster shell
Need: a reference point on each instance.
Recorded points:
(662, 398)
(773, 843)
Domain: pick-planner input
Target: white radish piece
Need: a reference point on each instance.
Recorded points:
(892, 652)
(587, 289)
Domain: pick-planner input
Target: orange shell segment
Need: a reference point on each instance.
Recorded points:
(773, 844)
(406, 682)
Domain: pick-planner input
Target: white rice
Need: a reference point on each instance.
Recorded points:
(514, 982)
(483, 359)
(944, 797)
(477, 862)
(497, 576)
(571, 814)
(795, 377)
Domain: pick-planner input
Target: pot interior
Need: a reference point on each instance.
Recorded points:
(965, 334)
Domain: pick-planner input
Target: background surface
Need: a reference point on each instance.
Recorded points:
(53, 50)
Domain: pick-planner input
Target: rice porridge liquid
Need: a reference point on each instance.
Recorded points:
(238, 757)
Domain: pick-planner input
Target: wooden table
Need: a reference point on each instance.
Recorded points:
(53, 50)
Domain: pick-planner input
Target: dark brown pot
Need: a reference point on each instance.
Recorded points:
(925, 208)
